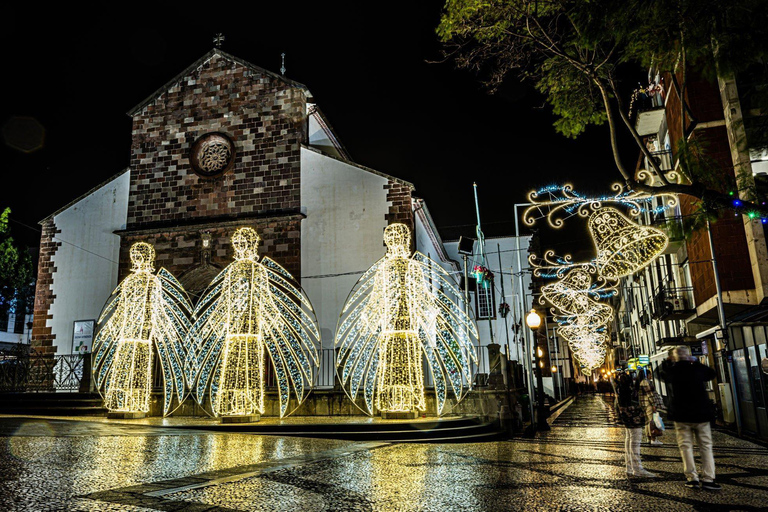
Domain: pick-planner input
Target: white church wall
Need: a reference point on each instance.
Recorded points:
(86, 261)
(318, 137)
(345, 208)
(507, 248)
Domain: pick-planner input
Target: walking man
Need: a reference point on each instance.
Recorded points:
(691, 410)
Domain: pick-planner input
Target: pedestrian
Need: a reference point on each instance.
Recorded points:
(652, 404)
(691, 410)
(630, 397)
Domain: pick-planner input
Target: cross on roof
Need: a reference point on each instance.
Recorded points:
(218, 39)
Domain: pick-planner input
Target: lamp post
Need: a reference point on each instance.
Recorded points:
(534, 322)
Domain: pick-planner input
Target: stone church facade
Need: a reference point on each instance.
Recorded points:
(224, 144)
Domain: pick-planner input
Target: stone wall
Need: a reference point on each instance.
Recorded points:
(264, 116)
(180, 250)
(42, 337)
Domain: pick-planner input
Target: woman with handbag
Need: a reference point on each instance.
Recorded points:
(630, 410)
(654, 426)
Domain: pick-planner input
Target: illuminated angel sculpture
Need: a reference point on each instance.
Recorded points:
(252, 312)
(146, 312)
(399, 313)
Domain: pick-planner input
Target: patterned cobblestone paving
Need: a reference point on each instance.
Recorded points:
(578, 465)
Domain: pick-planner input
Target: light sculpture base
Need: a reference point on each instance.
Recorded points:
(242, 367)
(123, 415)
(401, 378)
(248, 418)
(399, 415)
(131, 380)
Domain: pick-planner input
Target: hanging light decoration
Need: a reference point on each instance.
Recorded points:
(252, 309)
(147, 312)
(623, 247)
(570, 296)
(400, 312)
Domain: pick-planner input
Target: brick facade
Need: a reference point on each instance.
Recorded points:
(261, 113)
(42, 337)
(170, 206)
(728, 235)
(180, 250)
(399, 199)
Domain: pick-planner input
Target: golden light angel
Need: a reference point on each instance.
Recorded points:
(147, 312)
(400, 313)
(253, 314)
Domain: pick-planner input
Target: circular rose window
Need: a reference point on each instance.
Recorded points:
(212, 155)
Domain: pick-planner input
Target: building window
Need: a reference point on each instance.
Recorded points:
(485, 301)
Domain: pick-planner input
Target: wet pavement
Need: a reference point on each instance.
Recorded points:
(578, 465)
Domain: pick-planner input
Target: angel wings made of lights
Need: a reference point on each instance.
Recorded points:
(252, 313)
(147, 312)
(403, 310)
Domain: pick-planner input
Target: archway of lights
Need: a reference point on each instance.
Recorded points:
(403, 310)
(147, 312)
(623, 247)
(253, 313)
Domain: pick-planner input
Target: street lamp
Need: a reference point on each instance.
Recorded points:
(534, 322)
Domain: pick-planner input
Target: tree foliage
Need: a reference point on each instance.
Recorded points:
(16, 274)
(572, 51)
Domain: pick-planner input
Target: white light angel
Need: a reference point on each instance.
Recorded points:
(146, 312)
(399, 313)
(251, 310)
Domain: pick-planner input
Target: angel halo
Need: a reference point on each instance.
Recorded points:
(399, 313)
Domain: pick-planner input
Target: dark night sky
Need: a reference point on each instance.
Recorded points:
(367, 67)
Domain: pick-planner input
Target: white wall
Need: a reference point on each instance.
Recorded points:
(346, 208)
(507, 248)
(86, 261)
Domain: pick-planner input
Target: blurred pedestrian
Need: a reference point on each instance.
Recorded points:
(691, 410)
(651, 406)
(630, 397)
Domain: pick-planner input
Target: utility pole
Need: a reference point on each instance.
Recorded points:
(504, 300)
(524, 307)
(724, 329)
(484, 260)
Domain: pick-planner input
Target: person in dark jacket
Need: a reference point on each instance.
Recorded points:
(691, 410)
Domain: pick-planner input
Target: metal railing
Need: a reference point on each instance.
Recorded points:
(22, 371)
(673, 302)
(34, 372)
(662, 158)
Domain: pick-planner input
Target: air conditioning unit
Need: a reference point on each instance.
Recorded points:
(675, 304)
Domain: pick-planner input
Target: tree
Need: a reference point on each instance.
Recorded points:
(573, 50)
(16, 274)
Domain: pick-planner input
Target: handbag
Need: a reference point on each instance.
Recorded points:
(658, 422)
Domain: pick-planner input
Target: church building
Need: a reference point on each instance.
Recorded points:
(222, 145)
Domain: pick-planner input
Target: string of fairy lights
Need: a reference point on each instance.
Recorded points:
(403, 315)
(623, 248)
(399, 316)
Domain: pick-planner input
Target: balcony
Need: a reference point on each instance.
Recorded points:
(625, 326)
(673, 303)
(673, 227)
(648, 111)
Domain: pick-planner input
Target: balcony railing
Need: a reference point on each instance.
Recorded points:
(662, 158)
(673, 303)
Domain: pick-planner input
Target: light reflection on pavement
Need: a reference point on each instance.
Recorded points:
(578, 465)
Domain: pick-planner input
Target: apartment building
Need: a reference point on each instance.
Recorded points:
(674, 301)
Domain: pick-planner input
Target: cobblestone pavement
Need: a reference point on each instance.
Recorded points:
(578, 465)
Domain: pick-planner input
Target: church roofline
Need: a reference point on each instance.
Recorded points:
(362, 167)
(202, 60)
(83, 196)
